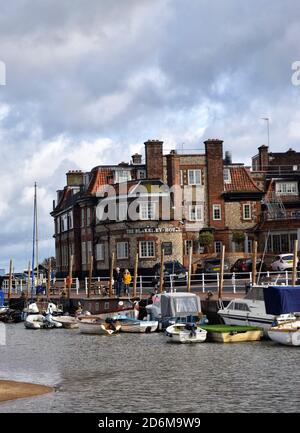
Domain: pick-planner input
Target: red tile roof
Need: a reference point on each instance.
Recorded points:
(240, 181)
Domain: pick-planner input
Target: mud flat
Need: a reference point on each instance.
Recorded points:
(10, 390)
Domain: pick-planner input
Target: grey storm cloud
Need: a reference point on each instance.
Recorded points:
(83, 77)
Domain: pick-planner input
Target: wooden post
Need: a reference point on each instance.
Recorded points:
(190, 269)
(162, 266)
(49, 278)
(28, 280)
(294, 275)
(10, 278)
(254, 259)
(112, 264)
(91, 263)
(221, 279)
(135, 274)
(70, 275)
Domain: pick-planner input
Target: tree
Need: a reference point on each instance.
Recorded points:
(205, 239)
(46, 262)
(238, 237)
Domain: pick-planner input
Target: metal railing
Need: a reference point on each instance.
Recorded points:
(235, 282)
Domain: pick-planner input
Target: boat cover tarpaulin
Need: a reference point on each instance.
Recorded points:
(180, 304)
(282, 299)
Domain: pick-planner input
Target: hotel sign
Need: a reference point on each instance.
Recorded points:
(153, 230)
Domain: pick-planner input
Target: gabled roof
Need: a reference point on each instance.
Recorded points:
(241, 181)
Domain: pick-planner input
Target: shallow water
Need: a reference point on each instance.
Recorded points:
(144, 373)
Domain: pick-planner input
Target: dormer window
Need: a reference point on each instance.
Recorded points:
(122, 176)
(227, 176)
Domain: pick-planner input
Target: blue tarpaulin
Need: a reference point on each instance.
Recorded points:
(1, 298)
(282, 299)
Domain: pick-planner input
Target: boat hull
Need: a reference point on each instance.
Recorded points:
(178, 334)
(285, 337)
(231, 337)
(67, 322)
(97, 327)
(139, 326)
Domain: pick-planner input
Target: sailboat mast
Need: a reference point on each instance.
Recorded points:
(36, 237)
(33, 243)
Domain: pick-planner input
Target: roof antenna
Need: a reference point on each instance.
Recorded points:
(268, 128)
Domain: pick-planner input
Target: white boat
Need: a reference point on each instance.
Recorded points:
(279, 300)
(133, 325)
(175, 307)
(67, 322)
(251, 310)
(38, 321)
(286, 333)
(186, 333)
(95, 325)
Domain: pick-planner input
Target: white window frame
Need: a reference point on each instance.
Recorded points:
(181, 177)
(149, 250)
(188, 243)
(286, 188)
(195, 212)
(82, 217)
(192, 177)
(217, 207)
(227, 175)
(64, 222)
(70, 216)
(122, 211)
(218, 246)
(83, 253)
(147, 210)
(247, 206)
(122, 176)
(88, 216)
(58, 225)
(122, 250)
(100, 248)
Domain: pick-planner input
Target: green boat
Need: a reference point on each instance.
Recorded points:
(232, 333)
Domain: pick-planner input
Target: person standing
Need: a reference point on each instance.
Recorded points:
(118, 281)
(126, 281)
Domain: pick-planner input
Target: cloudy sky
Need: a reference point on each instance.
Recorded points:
(88, 82)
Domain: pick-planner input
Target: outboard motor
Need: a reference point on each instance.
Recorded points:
(192, 328)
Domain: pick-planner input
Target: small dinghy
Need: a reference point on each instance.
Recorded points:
(185, 333)
(67, 322)
(132, 325)
(38, 321)
(98, 326)
(286, 333)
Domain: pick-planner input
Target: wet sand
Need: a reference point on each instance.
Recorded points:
(10, 390)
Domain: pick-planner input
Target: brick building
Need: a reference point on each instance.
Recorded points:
(279, 175)
(164, 202)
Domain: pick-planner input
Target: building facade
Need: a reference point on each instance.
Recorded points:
(165, 202)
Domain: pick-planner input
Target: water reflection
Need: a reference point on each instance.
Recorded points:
(136, 373)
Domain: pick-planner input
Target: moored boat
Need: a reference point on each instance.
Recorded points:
(67, 322)
(281, 300)
(232, 334)
(39, 321)
(95, 325)
(186, 333)
(129, 324)
(286, 333)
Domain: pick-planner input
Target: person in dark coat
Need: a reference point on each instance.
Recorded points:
(118, 281)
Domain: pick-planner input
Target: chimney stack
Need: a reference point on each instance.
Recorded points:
(263, 152)
(74, 178)
(136, 159)
(154, 159)
(228, 158)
